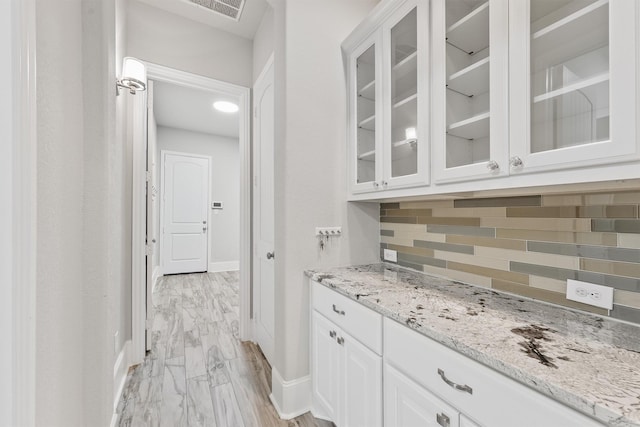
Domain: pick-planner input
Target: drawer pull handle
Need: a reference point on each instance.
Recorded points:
(443, 420)
(332, 334)
(454, 385)
(340, 340)
(340, 312)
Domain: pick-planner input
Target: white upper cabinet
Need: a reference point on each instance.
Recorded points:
(469, 79)
(573, 83)
(492, 94)
(388, 99)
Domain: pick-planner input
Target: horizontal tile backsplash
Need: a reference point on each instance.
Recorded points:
(528, 245)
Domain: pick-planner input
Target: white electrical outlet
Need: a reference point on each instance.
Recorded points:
(390, 255)
(589, 293)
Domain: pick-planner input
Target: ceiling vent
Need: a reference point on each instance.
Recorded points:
(229, 8)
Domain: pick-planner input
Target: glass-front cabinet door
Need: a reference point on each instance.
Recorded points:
(573, 82)
(365, 116)
(405, 142)
(470, 89)
(389, 100)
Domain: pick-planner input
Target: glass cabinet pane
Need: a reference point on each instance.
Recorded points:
(404, 96)
(467, 74)
(569, 73)
(366, 115)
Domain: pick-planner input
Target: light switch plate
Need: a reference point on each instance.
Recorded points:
(589, 293)
(390, 255)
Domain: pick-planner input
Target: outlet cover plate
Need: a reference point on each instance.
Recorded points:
(589, 293)
(390, 255)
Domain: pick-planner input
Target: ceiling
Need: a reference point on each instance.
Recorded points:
(192, 109)
(246, 27)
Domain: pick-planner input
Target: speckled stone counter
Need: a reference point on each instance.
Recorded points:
(587, 362)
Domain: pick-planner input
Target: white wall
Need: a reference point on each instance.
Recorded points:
(80, 277)
(310, 182)
(59, 356)
(263, 42)
(163, 38)
(224, 227)
(6, 217)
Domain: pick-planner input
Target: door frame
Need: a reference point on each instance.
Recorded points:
(139, 133)
(163, 153)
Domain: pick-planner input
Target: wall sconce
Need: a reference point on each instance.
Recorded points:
(134, 76)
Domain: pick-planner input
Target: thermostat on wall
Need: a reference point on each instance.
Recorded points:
(216, 205)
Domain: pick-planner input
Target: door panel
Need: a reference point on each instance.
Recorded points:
(363, 385)
(264, 223)
(185, 208)
(326, 365)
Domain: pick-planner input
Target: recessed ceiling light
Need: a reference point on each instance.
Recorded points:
(225, 107)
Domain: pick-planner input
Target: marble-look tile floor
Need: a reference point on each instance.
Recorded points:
(198, 373)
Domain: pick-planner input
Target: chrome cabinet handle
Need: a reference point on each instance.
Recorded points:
(443, 420)
(493, 166)
(340, 312)
(271, 255)
(204, 229)
(464, 388)
(340, 340)
(516, 162)
(332, 334)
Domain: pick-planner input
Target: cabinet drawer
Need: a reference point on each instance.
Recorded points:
(362, 323)
(483, 394)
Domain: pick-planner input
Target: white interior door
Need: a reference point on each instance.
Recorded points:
(184, 205)
(263, 264)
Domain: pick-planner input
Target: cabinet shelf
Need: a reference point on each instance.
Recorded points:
(471, 128)
(368, 156)
(405, 101)
(471, 33)
(471, 80)
(404, 148)
(592, 81)
(571, 31)
(368, 91)
(369, 123)
(405, 66)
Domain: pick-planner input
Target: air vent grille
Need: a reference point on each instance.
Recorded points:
(229, 8)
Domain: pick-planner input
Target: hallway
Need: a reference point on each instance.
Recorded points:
(198, 373)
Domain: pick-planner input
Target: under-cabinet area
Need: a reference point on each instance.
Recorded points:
(443, 353)
(508, 93)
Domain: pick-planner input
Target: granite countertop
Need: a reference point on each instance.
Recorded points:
(584, 361)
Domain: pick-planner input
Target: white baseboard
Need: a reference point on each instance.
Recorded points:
(290, 398)
(155, 276)
(215, 267)
(120, 370)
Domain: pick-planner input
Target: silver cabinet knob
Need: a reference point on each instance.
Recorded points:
(340, 340)
(493, 165)
(516, 162)
(375, 184)
(270, 255)
(385, 183)
(204, 229)
(332, 334)
(204, 222)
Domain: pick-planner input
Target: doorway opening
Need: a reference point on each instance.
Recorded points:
(191, 195)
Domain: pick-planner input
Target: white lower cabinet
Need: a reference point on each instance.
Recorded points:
(426, 384)
(476, 392)
(346, 374)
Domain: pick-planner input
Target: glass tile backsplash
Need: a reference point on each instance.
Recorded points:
(527, 245)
